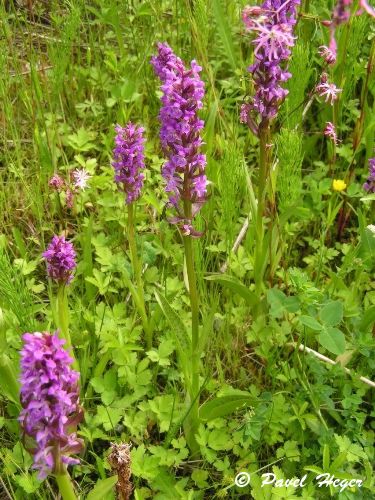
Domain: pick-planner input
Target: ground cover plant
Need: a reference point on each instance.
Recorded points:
(187, 249)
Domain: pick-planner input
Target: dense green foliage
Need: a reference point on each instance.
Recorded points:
(69, 71)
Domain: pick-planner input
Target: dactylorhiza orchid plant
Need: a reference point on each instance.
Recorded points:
(50, 407)
(272, 25)
(186, 182)
(60, 258)
(129, 163)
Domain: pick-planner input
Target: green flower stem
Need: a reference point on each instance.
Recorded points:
(306, 385)
(195, 354)
(138, 294)
(264, 167)
(63, 319)
(65, 485)
(331, 216)
(189, 255)
(133, 248)
(63, 313)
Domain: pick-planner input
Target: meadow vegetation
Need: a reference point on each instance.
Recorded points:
(224, 325)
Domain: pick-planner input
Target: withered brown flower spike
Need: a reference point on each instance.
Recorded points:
(120, 462)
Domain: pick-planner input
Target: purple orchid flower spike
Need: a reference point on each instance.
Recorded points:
(61, 260)
(273, 23)
(129, 160)
(50, 402)
(180, 135)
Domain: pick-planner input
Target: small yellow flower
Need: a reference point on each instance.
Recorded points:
(338, 185)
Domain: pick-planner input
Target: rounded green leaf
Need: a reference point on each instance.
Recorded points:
(331, 314)
(311, 323)
(333, 340)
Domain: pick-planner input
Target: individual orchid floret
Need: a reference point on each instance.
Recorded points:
(274, 41)
(129, 160)
(180, 134)
(61, 260)
(247, 118)
(50, 402)
(81, 178)
(273, 25)
(330, 131)
(327, 89)
(369, 185)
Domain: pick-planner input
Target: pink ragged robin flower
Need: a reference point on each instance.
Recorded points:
(327, 89)
(330, 131)
(328, 54)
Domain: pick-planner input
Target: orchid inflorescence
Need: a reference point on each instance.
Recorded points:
(129, 160)
(61, 259)
(50, 402)
(180, 135)
(273, 23)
